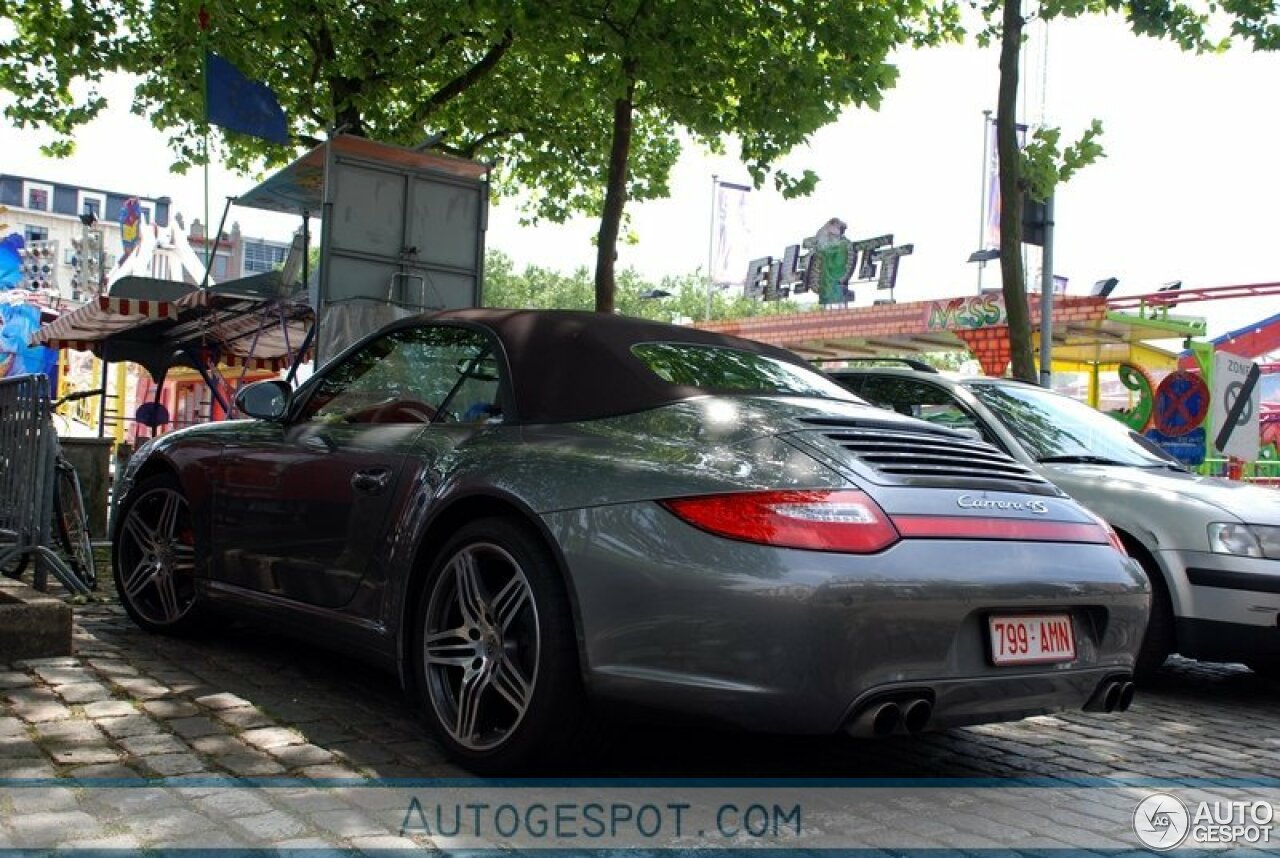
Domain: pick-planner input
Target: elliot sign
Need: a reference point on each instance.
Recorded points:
(825, 264)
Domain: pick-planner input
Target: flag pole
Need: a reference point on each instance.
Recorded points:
(711, 243)
(204, 96)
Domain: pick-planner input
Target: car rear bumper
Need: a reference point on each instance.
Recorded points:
(795, 641)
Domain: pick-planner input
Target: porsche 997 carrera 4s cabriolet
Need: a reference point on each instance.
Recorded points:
(521, 511)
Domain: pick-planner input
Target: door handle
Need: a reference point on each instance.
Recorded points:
(371, 481)
(317, 444)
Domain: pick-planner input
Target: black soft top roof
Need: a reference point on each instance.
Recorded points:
(572, 365)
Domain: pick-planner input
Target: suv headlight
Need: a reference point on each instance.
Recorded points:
(1245, 540)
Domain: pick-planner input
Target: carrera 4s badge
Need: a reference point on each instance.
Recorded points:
(970, 502)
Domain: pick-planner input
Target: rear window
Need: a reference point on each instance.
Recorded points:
(723, 370)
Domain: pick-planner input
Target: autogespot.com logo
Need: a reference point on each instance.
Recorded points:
(1161, 821)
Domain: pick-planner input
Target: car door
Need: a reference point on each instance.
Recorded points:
(303, 508)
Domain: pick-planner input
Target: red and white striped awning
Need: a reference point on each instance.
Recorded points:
(99, 319)
(259, 339)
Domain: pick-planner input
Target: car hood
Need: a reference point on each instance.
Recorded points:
(1249, 503)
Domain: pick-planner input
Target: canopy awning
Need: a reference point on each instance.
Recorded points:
(157, 323)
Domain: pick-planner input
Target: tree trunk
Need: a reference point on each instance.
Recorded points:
(1012, 277)
(615, 197)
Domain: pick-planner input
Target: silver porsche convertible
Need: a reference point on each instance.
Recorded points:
(523, 511)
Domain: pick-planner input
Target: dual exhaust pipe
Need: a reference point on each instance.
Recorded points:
(1113, 695)
(886, 717)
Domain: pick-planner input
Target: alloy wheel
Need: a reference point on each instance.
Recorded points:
(156, 557)
(481, 646)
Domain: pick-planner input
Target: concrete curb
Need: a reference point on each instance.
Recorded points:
(32, 624)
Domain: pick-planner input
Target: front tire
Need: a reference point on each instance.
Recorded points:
(154, 558)
(495, 654)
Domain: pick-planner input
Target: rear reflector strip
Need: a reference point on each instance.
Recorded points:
(1023, 529)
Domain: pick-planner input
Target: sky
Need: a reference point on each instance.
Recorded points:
(1188, 189)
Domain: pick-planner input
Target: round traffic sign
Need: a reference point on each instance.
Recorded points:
(1182, 403)
(1229, 401)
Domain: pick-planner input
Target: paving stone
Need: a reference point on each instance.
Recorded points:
(267, 738)
(230, 802)
(113, 667)
(141, 688)
(331, 772)
(296, 756)
(156, 743)
(250, 765)
(109, 709)
(111, 843)
(128, 725)
(11, 726)
(83, 692)
(223, 700)
(17, 746)
(27, 767)
(59, 676)
(170, 824)
(46, 830)
(81, 755)
(68, 731)
(191, 728)
(175, 764)
(51, 662)
(15, 679)
(348, 823)
(41, 799)
(171, 708)
(219, 745)
(270, 827)
(245, 718)
(376, 845)
(114, 771)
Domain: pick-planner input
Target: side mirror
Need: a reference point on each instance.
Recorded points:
(264, 400)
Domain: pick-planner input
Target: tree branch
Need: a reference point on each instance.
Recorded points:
(466, 80)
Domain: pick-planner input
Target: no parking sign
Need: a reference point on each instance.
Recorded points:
(1182, 401)
(1236, 404)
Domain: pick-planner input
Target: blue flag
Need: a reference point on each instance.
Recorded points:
(239, 104)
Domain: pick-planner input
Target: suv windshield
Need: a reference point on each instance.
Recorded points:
(1053, 427)
(723, 370)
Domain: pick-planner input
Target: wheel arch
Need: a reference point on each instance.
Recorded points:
(450, 517)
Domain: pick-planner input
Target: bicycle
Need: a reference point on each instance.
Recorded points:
(70, 518)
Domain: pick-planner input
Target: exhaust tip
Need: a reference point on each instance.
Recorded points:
(916, 715)
(1111, 698)
(1125, 700)
(884, 720)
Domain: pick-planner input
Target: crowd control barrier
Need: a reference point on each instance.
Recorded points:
(28, 455)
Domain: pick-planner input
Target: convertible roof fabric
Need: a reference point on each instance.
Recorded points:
(569, 365)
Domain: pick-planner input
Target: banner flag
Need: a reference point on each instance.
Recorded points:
(992, 230)
(238, 103)
(730, 234)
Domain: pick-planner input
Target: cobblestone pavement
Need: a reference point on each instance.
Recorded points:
(243, 703)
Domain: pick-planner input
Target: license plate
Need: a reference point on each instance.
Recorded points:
(1035, 639)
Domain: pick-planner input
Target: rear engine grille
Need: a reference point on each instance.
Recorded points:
(923, 458)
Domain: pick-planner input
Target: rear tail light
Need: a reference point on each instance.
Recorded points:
(1016, 529)
(847, 521)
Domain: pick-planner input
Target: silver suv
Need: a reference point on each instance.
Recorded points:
(1210, 547)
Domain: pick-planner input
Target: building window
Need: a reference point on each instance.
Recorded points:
(260, 256)
(148, 216)
(91, 203)
(36, 233)
(38, 199)
(220, 268)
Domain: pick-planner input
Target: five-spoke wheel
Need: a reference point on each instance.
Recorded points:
(154, 556)
(496, 657)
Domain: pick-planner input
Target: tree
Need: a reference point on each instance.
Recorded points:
(671, 299)
(582, 104)
(1042, 165)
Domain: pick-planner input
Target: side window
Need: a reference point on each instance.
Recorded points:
(414, 375)
(918, 399)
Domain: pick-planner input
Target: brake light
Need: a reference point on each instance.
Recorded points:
(844, 520)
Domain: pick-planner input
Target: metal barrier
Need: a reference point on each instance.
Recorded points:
(28, 454)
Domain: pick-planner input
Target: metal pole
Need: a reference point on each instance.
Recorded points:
(711, 243)
(982, 195)
(1046, 298)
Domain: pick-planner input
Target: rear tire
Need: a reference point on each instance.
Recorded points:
(154, 558)
(494, 651)
(73, 526)
(1159, 641)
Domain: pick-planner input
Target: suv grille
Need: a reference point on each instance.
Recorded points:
(923, 458)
